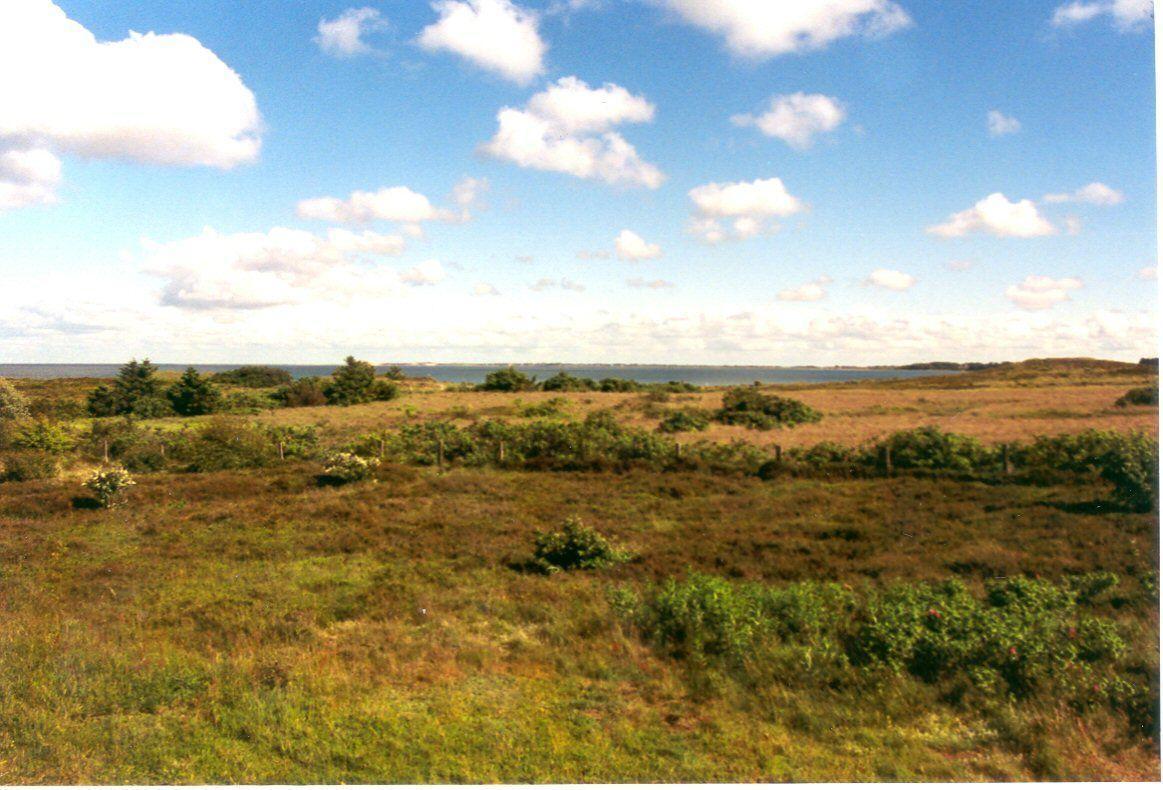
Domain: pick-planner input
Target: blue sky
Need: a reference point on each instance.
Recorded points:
(110, 257)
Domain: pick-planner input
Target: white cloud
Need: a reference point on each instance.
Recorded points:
(28, 177)
(567, 128)
(1001, 124)
(548, 283)
(632, 247)
(496, 35)
(1096, 194)
(389, 204)
(342, 37)
(1040, 293)
(1149, 273)
(1126, 15)
(246, 271)
(757, 29)
(891, 280)
(638, 282)
(797, 118)
(159, 99)
(426, 273)
(998, 216)
(750, 206)
(813, 291)
(485, 289)
(593, 255)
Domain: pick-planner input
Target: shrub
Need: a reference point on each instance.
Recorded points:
(350, 384)
(1139, 396)
(44, 436)
(384, 389)
(349, 467)
(685, 420)
(932, 448)
(254, 376)
(507, 379)
(225, 443)
(394, 373)
(109, 485)
(554, 407)
(824, 454)
(135, 448)
(136, 391)
(619, 385)
(752, 408)
(294, 442)
(306, 391)
(193, 395)
(574, 547)
(246, 402)
(1132, 466)
(13, 405)
(29, 465)
(564, 382)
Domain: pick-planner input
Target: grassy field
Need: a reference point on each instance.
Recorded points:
(256, 626)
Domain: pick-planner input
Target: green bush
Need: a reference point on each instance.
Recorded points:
(43, 435)
(564, 382)
(136, 391)
(1132, 466)
(619, 385)
(294, 441)
(932, 448)
(824, 454)
(554, 407)
(384, 389)
(13, 405)
(1139, 396)
(109, 485)
(685, 420)
(193, 395)
(349, 468)
(353, 382)
(507, 379)
(246, 402)
(254, 376)
(134, 447)
(225, 443)
(29, 465)
(306, 391)
(574, 547)
(750, 407)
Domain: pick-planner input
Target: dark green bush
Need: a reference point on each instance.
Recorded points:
(193, 395)
(136, 391)
(384, 389)
(619, 385)
(507, 380)
(225, 443)
(554, 407)
(29, 465)
(564, 382)
(575, 547)
(750, 407)
(42, 435)
(685, 420)
(1139, 396)
(255, 376)
(1132, 466)
(246, 402)
(932, 448)
(306, 391)
(353, 382)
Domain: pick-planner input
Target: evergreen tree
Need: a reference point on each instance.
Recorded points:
(192, 395)
(351, 383)
(136, 391)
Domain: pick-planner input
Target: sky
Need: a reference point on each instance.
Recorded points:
(603, 181)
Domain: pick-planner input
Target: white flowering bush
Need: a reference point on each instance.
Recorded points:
(108, 485)
(349, 467)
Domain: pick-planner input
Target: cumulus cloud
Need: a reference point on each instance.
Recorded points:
(389, 204)
(495, 35)
(749, 207)
(1126, 15)
(485, 289)
(638, 282)
(766, 29)
(891, 280)
(632, 247)
(343, 37)
(568, 128)
(158, 99)
(1096, 194)
(426, 273)
(812, 291)
(797, 118)
(247, 271)
(28, 177)
(1040, 293)
(998, 216)
(548, 284)
(1000, 124)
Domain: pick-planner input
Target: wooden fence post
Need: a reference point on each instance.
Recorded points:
(779, 454)
(1007, 464)
(381, 448)
(105, 451)
(440, 455)
(282, 451)
(501, 452)
(886, 459)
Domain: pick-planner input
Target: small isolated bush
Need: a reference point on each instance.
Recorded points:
(574, 547)
(685, 420)
(109, 485)
(508, 380)
(48, 437)
(13, 405)
(255, 376)
(226, 443)
(29, 465)
(932, 448)
(565, 382)
(292, 441)
(1139, 396)
(350, 384)
(306, 391)
(193, 395)
(349, 467)
(384, 389)
(750, 407)
(554, 407)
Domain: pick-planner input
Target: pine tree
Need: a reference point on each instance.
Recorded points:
(193, 394)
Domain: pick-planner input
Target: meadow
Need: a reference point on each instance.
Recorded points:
(250, 615)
